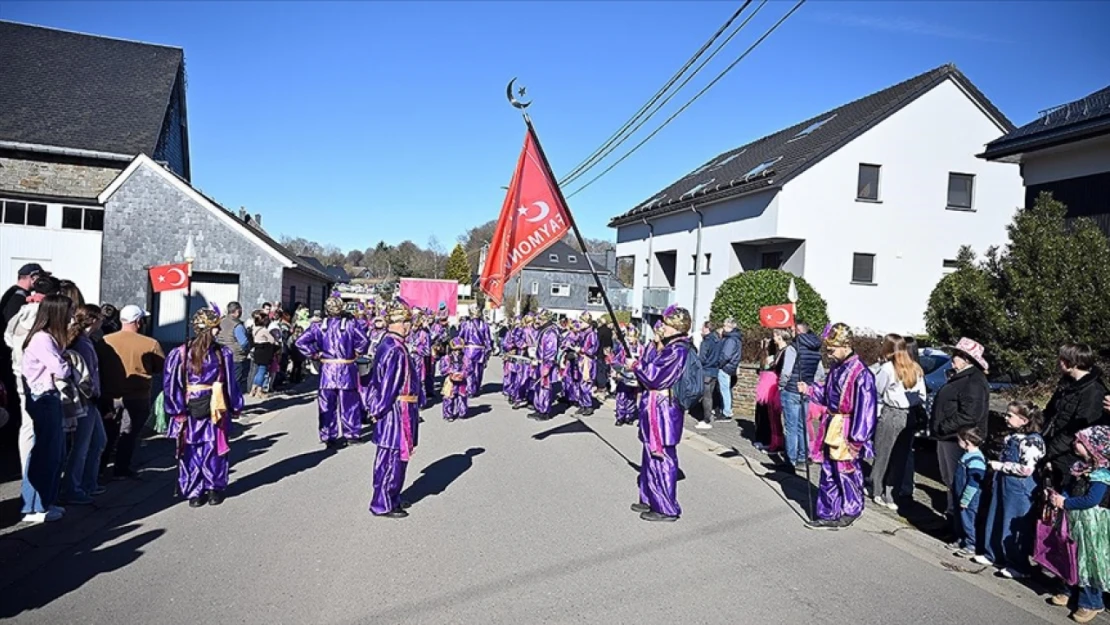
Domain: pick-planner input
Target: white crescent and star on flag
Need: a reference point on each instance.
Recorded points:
(544, 211)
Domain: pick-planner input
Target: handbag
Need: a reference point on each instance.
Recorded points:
(1055, 550)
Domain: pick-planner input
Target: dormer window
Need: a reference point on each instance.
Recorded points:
(553, 258)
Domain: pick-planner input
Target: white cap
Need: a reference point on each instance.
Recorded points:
(132, 313)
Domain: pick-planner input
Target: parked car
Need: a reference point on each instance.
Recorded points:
(937, 366)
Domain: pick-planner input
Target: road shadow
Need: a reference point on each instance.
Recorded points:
(475, 411)
(274, 473)
(436, 477)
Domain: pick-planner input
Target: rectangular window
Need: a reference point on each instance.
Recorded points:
(960, 187)
(593, 297)
(553, 258)
(77, 218)
(560, 290)
(705, 269)
(571, 258)
(94, 219)
(868, 186)
(951, 263)
(535, 288)
(771, 260)
(693, 264)
(71, 218)
(863, 268)
(15, 213)
(36, 215)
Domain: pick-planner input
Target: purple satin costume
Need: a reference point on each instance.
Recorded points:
(628, 396)
(568, 372)
(420, 346)
(547, 352)
(454, 405)
(202, 459)
(587, 367)
(396, 421)
(660, 425)
(526, 376)
(508, 367)
(849, 389)
(475, 347)
(336, 340)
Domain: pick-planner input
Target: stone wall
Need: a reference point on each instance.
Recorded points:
(743, 393)
(42, 176)
(148, 221)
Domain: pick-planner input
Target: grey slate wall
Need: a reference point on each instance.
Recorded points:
(172, 141)
(148, 221)
(580, 284)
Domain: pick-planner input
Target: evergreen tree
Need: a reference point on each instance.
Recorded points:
(457, 267)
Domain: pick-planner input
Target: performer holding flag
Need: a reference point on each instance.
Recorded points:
(545, 354)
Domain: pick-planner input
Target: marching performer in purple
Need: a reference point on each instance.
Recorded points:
(337, 343)
(568, 365)
(628, 390)
(508, 371)
(420, 346)
(395, 411)
(658, 370)
(476, 345)
(454, 368)
(849, 404)
(526, 347)
(545, 355)
(201, 396)
(587, 364)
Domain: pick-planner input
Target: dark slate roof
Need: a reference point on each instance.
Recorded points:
(563, 253)
(339, 274)
(315, 263)
(772, 161)
(1086, 117)
(72, 90)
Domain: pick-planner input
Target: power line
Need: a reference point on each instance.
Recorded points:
(593, 157)
(669, 97)
(692, 100)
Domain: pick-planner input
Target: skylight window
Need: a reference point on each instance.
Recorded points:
(761, 168)
(699, 188)
(812, 127)
(728, 160)
(701, 169)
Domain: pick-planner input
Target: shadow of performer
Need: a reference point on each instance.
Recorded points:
(436, 477)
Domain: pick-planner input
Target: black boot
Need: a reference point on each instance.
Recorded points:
(197, 502)
(846, 520)
(823, 524)
(394, 514)
(640, 507)
(657, 517)
(585, 412)
(215, 498)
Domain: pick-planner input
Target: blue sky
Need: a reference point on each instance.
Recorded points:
(350, 122)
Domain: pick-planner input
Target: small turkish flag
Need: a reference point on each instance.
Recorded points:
(533, 217)
(781, 316)
(169, 277)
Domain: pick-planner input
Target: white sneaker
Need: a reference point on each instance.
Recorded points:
(984, 560)
(42, 517)
(1009, 573)
(703, 425)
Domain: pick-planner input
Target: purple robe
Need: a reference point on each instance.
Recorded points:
(628, 395)
(568, 374)
(396, 420)
(587, 367)
(453, 366)
(526, 385)
(849, 389)
(661, 424)
(509, 366)
(547, 352)
(476, 346)
(420, 346)
(202, 447)
(337, 342)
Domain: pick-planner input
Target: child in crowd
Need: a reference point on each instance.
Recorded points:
(966, 487)
(1088, 509)
(768, 404)
(296, 358)
(454, 366)
(1010, 524)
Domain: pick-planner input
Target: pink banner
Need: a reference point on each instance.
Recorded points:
(430, 293)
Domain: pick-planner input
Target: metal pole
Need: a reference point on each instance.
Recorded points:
(697, 265)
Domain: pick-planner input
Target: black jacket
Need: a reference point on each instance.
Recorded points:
(731, 348)
(1076, 405)
(964, 401)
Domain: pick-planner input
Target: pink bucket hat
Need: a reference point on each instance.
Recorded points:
(973, 350)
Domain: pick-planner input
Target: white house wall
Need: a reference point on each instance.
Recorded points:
(1074, 160)
(68, 254)
(910, 230)
(745, 218)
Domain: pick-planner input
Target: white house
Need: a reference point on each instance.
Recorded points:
(1065, 151)
(868, 202)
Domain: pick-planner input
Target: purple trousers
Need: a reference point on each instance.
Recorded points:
(200, 469)
(508, 378)
(627, 403)
(454, 407)
(586, 372)
(659, 481)
(389, 479)
(840, 491)
(525, 383)
(571, 386)
(476, 356)
(541, 395)
(340, 405)
(429, 378)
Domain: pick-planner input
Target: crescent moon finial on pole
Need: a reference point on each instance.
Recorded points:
(519, 94)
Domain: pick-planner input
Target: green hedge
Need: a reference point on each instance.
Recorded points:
(742, 295)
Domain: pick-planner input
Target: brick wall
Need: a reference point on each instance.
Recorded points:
(50, 177)
(743, 394)
(148, 221)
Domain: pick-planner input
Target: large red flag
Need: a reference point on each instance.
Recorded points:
(533, 217)
(169, 277)
(781, 316)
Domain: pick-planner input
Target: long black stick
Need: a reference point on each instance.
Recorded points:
(577, 234)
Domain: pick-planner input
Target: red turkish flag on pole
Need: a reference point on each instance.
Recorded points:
(781, 316)
(169, 277)
(533, 217)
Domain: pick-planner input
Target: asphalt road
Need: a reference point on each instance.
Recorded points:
(513, 522)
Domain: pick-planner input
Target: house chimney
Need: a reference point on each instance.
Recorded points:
(243, 214)
(258, 219)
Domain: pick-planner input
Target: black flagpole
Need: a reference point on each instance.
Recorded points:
(570, 217)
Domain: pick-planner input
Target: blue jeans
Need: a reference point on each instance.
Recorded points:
(967, 523)
(793, 410)
(1010, 525)
(724, 382)
(1090, 598)
(260, 372)
(44, 468)
(82, 470)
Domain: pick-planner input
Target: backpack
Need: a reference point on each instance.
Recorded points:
(690, 386)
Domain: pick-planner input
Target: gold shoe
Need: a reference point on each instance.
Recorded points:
(1084, 615)
(1059, 599)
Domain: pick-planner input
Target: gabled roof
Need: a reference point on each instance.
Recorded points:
(65, 89)
(558, 258)
(338, 273)
(282, 254)
(1086, 117)
(314, 262)
(774, 160)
